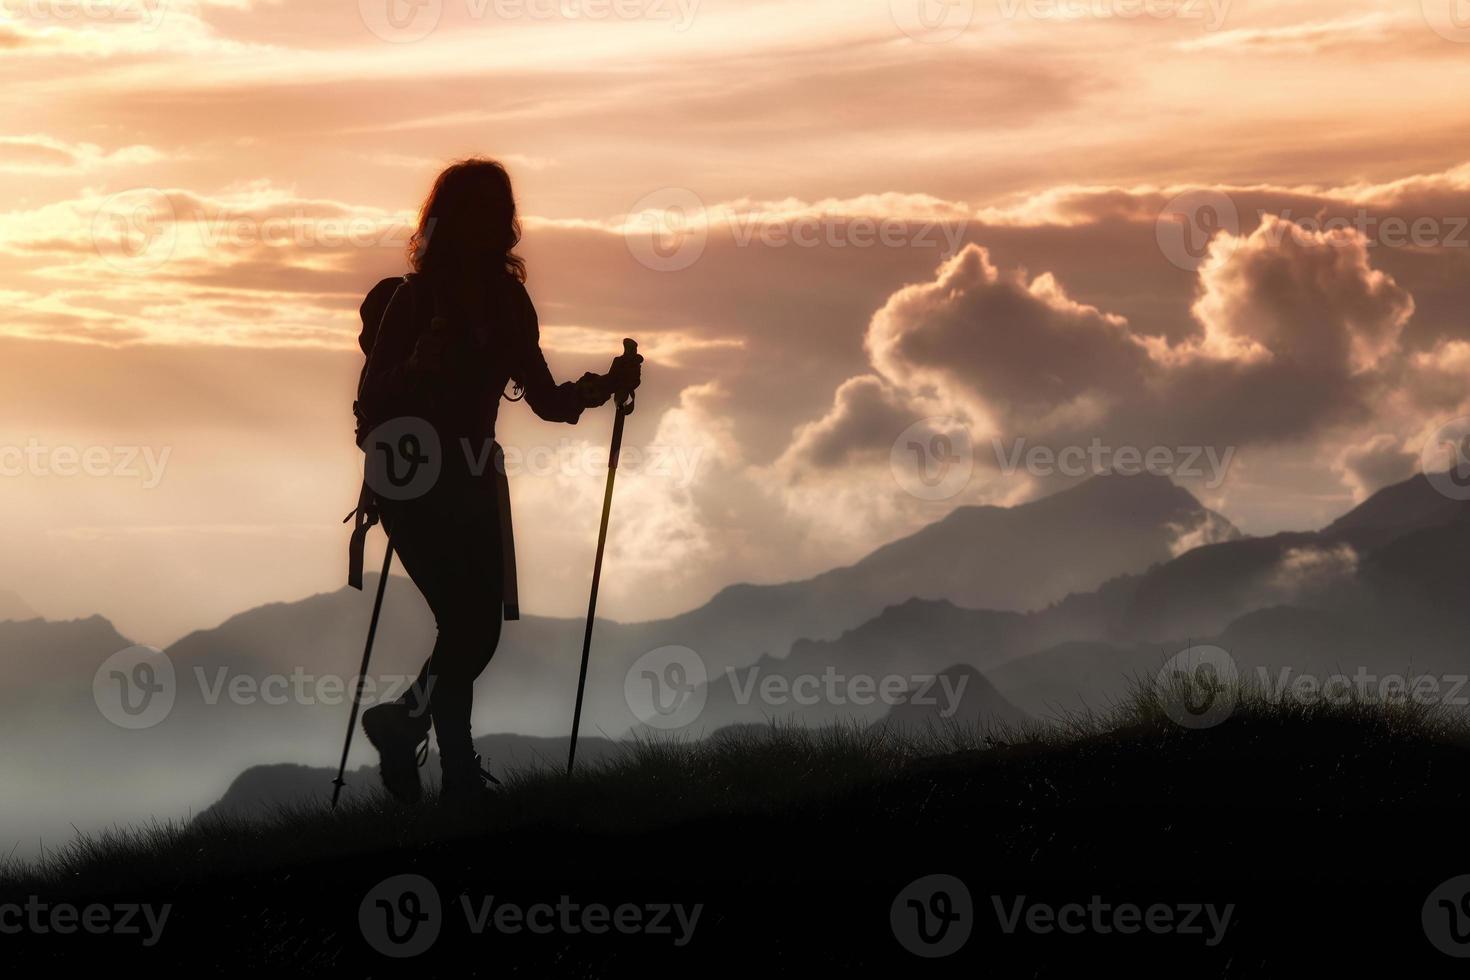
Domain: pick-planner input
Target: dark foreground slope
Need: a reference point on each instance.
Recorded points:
(1282, 838)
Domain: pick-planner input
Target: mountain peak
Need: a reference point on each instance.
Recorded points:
(1411, 504)
(1140, 493)
(12, 606)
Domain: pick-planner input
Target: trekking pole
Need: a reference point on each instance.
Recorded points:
(624, 403)
(367, 652)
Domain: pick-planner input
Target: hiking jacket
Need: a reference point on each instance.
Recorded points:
(482, 351)
(457, 389)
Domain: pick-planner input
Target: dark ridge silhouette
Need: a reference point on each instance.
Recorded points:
(261, 792)
(802, 836)
(1396, 509)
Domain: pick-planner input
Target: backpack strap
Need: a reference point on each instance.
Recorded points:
(366, 514)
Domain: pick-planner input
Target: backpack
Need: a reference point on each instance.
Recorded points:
(365, 514)
(368, 414)
(372, 310)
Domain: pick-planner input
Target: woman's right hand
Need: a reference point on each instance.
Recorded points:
(626, 373)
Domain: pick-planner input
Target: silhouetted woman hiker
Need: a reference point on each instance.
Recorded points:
(451, 334)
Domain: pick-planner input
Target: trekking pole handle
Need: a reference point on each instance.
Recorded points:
(625, 399)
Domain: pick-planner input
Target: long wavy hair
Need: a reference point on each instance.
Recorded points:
(468, 220)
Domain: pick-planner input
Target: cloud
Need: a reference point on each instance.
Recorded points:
(41, 154)
(1312, 37)
(1376, 463)
(866, 416)
(255, 264)
(1295, 335)
(1004, 350)
(1307, 571)
(1308, 298)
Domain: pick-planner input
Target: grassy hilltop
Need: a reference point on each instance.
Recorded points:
(1322, 828)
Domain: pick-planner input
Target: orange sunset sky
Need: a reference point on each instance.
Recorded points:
(825, 222)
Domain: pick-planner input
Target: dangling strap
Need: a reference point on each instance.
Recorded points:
(364, 517)
(507, 537)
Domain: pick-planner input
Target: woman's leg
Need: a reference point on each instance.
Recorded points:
(452, 553)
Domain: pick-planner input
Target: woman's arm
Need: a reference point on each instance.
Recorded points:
(553, 402)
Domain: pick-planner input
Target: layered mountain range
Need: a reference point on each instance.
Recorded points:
(990, 615)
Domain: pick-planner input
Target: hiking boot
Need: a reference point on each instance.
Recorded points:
(467, 782)
(396, 734)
